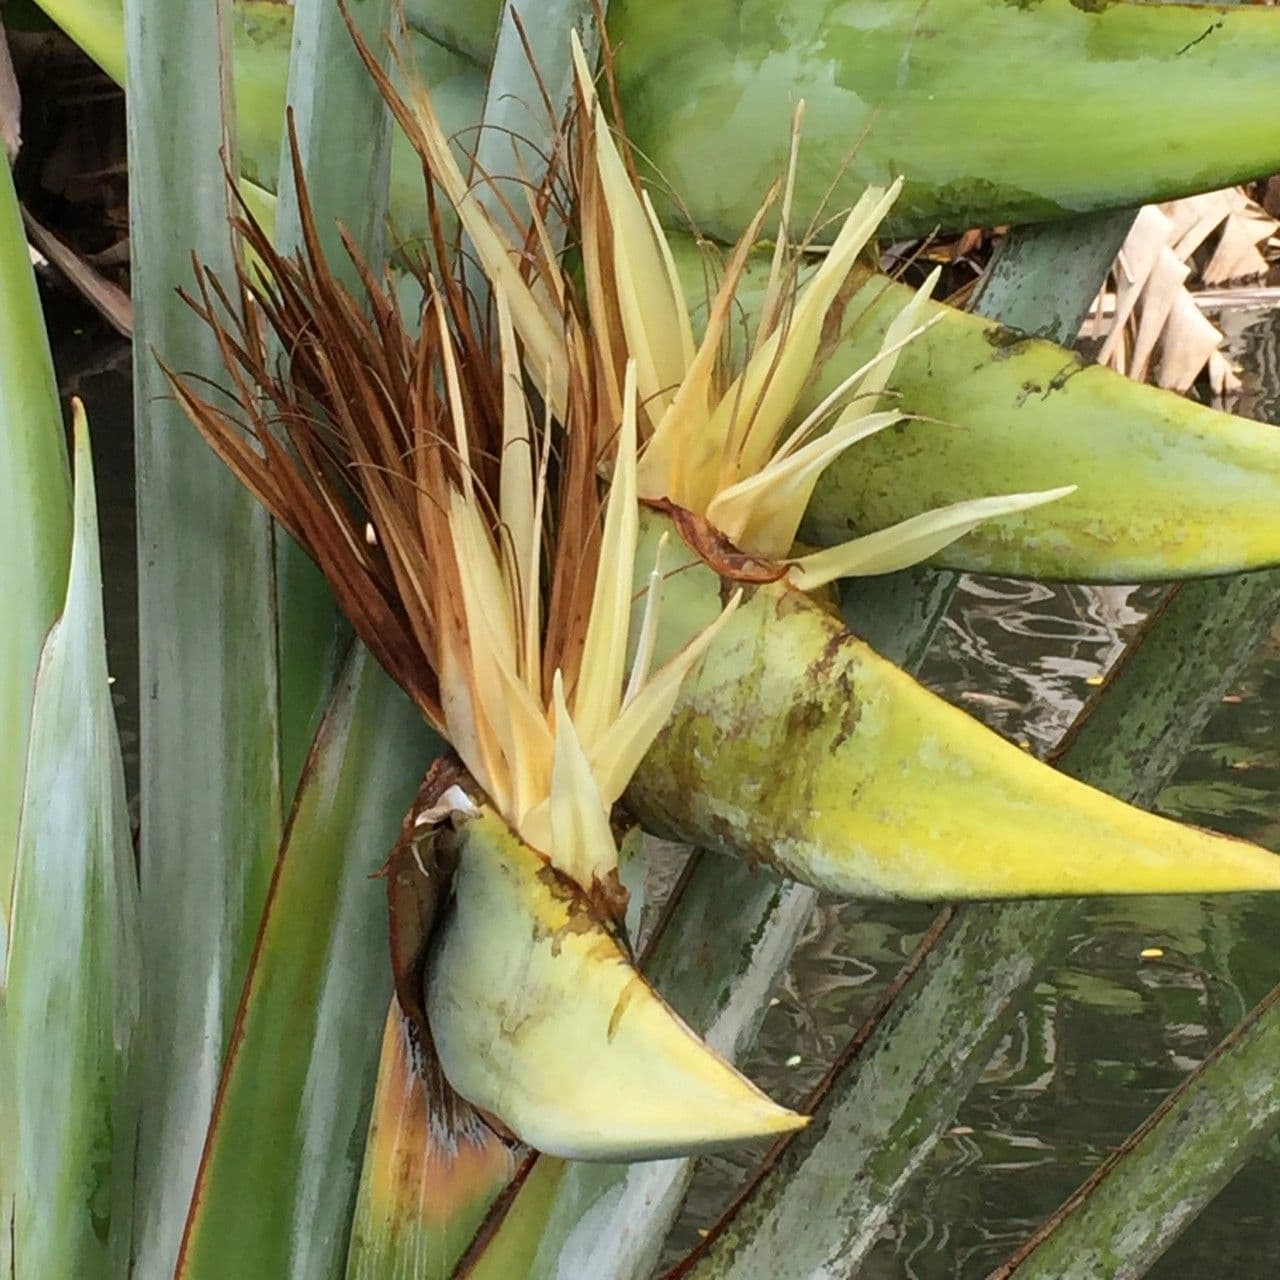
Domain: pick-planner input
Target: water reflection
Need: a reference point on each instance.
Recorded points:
(1020, 655)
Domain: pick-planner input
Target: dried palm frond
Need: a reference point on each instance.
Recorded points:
(1148, 318)
(470, 545)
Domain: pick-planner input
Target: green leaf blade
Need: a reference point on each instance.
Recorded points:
(1148, 1192)
(35, 516)
(471, 28)
(210, 803)
(994, 114)
(718, 144)
(432, 1168)
(73, 997)
(343, 129)
(278, 1177)
(1165, 488)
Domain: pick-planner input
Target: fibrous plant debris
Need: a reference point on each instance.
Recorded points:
(1152, 328)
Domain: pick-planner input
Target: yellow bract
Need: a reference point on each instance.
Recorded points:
(540, 1017)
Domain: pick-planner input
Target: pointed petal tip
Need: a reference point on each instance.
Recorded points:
(79, 422)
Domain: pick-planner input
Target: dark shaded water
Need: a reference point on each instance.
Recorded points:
(1108, 1032)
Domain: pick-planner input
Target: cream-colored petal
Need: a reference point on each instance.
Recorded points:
(659, 337)
(581, 842)
(539, 326)
(681, 460)
(620, 750)
(598, 693)
(907, 325)
(679, 310)
(754, 409)
(762, 513)
(911, 541)
(648, 626)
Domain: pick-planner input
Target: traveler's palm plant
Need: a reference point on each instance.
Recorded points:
(566, 524)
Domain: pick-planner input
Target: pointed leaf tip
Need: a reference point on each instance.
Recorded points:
(71, 983)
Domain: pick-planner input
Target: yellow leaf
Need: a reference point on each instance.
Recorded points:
(599, 689)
